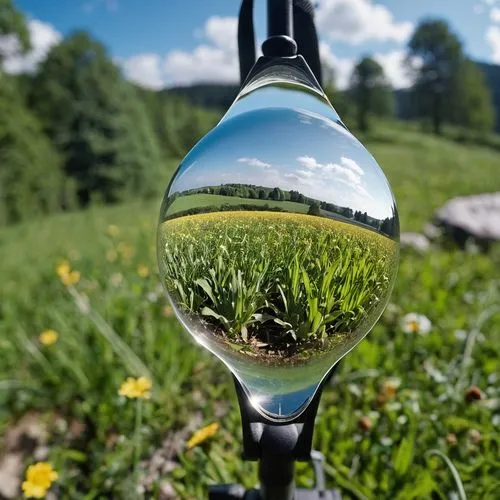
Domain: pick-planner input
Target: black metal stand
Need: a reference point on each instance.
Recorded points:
(276, 445)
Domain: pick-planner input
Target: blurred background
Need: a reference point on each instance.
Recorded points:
(99, 101)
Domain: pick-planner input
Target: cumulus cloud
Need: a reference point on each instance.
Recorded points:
(357, 21)
(495, 14)
(347, 172)
(145, 70)
(43, 37)
(214, 61)
(493, 39)
(392, 62)
(342, 67)
(255, 162)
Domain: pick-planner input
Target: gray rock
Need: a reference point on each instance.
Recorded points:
(471, 217)
(416, 241)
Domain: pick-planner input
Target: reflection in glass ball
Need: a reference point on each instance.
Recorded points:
(278, 243)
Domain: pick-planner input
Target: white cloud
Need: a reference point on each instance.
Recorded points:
(394, 68)
(43, 37)
(342, 67)
(255, 162)
(215, 61)
(348, 172)
(495, 14)
(392, 62)
(357, 21)
(145, 70)
(493, 39)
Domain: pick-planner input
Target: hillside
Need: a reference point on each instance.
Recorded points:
(220, 96)
(114, 322)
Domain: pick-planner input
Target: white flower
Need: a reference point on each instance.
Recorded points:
(416, 323)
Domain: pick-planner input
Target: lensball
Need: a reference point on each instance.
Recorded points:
(278, 239)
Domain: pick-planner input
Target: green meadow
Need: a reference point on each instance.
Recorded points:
(397, 421)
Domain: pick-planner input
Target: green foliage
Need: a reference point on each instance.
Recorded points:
(31, 180)
(475, 106)
(177, 123)
(277, 290)
(370, 91)
(97, 122)
(449, 87)
(13, 25)
(77, 379)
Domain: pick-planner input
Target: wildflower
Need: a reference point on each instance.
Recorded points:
(113, 230)
(39, 478)
(365, 424)
(126, 250)
(111, 255)
(143, 271)
(48, 337)
(388, 390)
(473, 393)
(168, 312)
(474, 436)
(451, 439)
(66, 275)
(202, 435)
(116, 279)
(63, 268)
(416, 323)
(136, 388)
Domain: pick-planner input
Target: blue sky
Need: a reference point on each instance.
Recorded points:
(168, 42)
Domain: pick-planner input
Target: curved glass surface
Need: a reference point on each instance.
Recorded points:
(278, 241)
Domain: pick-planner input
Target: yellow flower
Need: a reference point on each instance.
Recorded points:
(111, 255)
(48, 337)
(66, 275)
(72, 278)
(143, 271)
(63, 268)
(113, 230)
(136, 388)
(39, 478)
(126, 250)
(202, 435)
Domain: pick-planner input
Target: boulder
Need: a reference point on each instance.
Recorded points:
(471, 218)
(416, 241)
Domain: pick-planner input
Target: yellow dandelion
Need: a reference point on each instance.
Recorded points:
(63, 268)
(143, 271)
(111, 255)
(39, 478)
(136, 388)
(202, 435)
(48, 337)
(113, 230)
(72, 278)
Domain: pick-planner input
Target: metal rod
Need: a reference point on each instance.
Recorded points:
(280, 18)
(276, 475)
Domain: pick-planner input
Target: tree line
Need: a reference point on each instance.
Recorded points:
(449, 88)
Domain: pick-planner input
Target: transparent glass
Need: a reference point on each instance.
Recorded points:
(278, 239)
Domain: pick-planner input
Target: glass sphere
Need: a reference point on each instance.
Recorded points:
(278, 241)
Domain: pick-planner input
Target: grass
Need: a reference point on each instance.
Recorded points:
(274, 280)
(116, 323)
(212, 200)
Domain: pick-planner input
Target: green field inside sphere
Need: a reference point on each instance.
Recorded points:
(273, 284)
